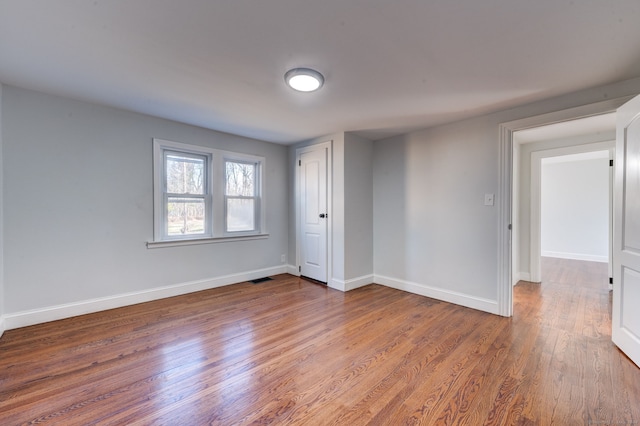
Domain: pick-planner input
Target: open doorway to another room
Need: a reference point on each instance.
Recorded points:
(562, 228)
(575, 219)
(575, 155)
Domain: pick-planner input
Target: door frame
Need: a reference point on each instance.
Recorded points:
(327, 147)
(506, 131)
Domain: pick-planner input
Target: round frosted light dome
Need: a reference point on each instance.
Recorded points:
(304, 79)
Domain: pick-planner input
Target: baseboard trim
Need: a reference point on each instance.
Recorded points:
(336, 284)
(358, 282)
(293, 270)
(478, 303)
(52, 313)
(576, 256)
(351, 284)
(521, 276)
(1, 325)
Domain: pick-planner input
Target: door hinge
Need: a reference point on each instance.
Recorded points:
(610, 163)
(509, 227)
(299, 162)
(299, 268)
(610, 280)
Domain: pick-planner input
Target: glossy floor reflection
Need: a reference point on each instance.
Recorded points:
(292, 352)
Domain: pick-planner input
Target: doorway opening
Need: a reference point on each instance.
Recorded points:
(510, 220)
(579, 199)
(576, 217)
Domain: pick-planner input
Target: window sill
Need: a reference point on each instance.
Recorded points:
(199, 241)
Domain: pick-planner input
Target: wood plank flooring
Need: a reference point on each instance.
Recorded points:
(291, 352)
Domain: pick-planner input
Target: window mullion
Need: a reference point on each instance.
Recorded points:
(218, 198)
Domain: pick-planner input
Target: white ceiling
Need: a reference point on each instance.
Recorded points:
(390, 66)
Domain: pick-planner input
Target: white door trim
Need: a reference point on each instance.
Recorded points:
(506, 131)
(299, 151)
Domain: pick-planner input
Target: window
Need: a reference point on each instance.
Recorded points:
(241, 201)
(205, 194)
(187, 198)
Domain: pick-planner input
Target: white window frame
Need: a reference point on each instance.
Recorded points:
(215, 197)
(257, 196)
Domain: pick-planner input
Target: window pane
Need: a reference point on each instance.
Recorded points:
(240, 179)
(240, 214)
(185, 174)
(185, 216)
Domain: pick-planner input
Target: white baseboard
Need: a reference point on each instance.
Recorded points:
(521, 276)
(575, 256)
(350, 284)
(486, 305)
(336, 284)
(52, 313)
(293, 270)
(1, 325)
(354, 283)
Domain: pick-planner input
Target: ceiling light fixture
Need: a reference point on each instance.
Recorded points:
(304, 79)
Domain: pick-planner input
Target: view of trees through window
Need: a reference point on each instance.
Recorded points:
(203, 193)
(185, 183)
(240, 194)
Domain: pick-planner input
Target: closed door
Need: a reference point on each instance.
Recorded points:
(626, 239)
(313, 214)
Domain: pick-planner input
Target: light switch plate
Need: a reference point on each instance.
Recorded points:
(488, 199)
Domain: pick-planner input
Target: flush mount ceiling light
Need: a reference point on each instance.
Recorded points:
(304, 79)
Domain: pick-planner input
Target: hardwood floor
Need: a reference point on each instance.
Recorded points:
(291, 352)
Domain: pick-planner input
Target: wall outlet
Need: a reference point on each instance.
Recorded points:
(283, 258)
(488, 199)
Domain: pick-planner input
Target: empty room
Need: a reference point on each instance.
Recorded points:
(318, 213)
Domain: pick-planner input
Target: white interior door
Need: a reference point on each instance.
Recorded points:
(313, 214)
(626, 239)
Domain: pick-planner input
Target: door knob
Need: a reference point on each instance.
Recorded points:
(322, 215)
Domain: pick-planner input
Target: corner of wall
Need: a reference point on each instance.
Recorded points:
(293, 270)
(359, 211)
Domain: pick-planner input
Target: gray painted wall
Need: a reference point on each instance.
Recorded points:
(430, 225)
(78, 204)
(358, 196)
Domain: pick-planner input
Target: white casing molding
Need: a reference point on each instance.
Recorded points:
(504, 302)
(2, 326)
(52, 313)
(481, 304)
